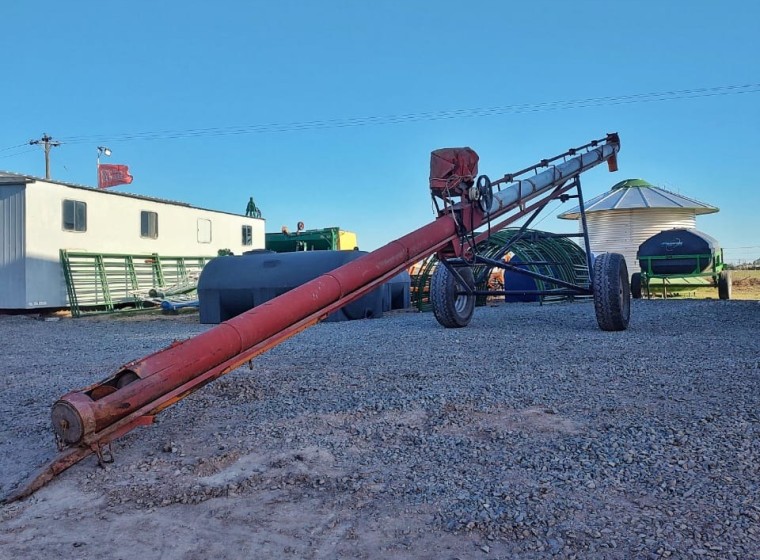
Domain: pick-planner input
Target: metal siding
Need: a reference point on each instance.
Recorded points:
(30, 271)
(12, 247)
(640, 198)
(622, 231)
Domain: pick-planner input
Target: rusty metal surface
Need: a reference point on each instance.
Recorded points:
(60, 463)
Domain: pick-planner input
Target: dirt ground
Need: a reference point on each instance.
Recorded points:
(746, 284)
(61, 521)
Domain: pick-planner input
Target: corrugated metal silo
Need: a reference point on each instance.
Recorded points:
(633, 211)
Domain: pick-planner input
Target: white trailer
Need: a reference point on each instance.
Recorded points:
(40, 217)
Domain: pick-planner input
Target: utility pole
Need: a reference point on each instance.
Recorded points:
(48, 143)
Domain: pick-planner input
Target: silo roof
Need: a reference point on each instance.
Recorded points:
(635, 194)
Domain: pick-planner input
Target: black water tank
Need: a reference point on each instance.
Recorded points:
(695, 249)
(231, 285)
(398, 292)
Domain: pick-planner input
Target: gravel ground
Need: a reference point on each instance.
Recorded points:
(528, 434)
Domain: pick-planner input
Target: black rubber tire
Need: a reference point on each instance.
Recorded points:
(452, 310)
(636, 285)
(612, 292)
(724, 285)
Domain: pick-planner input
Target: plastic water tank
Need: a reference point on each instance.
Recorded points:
(516, 281)
(685, 251)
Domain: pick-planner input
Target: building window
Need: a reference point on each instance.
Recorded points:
(148, 224)
(247, 235)
(204, 231)
(74, 215)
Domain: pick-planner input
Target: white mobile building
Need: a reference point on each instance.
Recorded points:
(40, 217)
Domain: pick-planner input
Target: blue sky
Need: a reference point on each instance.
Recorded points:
(107, 73)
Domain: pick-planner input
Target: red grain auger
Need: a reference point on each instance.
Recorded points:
(470, 208)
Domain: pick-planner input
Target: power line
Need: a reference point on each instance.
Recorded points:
(427, 116)
(418, 116)
(13, 147)
(18, 153)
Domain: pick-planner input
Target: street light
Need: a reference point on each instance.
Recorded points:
(106, 152)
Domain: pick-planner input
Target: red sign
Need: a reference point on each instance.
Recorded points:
(112, 175)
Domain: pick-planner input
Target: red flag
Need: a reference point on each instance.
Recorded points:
(112, 175)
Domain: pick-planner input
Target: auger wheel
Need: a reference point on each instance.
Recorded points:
(612, 292)
(452, 310)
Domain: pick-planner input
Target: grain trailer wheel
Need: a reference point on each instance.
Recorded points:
(724, 284)
(636, 285)
(450, 309)
(612, 292)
